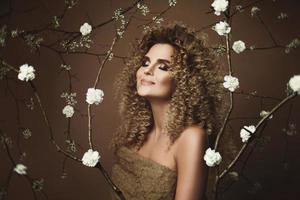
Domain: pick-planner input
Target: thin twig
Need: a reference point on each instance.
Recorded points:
(226, 170)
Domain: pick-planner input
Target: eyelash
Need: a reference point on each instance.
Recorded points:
(164, 67)
(144, 63)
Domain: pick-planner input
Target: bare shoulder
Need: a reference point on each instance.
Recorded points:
(190, 164)
(193, 131)
(192, 142)
(192, 137)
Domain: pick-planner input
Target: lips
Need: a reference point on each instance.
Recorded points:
(146, 82)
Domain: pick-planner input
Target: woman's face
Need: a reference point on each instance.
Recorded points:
(154, 79)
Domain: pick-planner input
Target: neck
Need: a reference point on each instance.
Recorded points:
(159, 110)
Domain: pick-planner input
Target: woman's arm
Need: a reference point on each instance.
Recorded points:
(192, 171)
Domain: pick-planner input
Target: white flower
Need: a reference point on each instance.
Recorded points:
(294, 83)
(118, 14)
(90, 158)
(231, 83)
(246, 134)
(219, 6)
(14, 33)
(68, 111)
(222, 28)
(254, 10)
(238, 46)
(27, 133)
(157, 19)
(172, 3)
(85, 29)
(263, 113)
(144, 8)
(212, 158)
(20, 169)
(94, 96)
(26, 73)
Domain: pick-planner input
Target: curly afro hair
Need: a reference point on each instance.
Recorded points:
(197, 96)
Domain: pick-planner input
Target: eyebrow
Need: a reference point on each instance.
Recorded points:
(158, 60)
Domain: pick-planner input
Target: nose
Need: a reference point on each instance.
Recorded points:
(149, 70)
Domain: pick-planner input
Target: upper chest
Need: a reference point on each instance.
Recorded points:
(159, 151)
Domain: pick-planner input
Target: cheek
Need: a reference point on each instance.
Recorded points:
(138, 74)
(167, 83)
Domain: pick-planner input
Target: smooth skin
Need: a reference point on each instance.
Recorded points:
(185, 156)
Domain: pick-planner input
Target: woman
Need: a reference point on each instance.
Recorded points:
(169, 103)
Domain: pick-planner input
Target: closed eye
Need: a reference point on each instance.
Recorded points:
(160, 62)
(164, 67)
(145, 63)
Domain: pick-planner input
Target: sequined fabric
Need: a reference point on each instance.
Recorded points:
(140, 178)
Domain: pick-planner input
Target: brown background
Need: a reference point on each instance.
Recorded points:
(264, 71)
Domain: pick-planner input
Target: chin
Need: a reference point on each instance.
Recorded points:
(144, 94)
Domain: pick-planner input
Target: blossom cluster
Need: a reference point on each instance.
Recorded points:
(26, 73)
(294, 84)
(157, 19)
(65, 67)
(85, 29)
(90, 158)
(118, 14)
(83, 42)
(231, 83)
(20, 169)
(15, 33)
(69, 98)
(68, 110)
(222, 28)
(212, 158)
(143, 8)
(146, 29)
(246, 132)
(172, 3)
(27, 133)
(254, 11)
(238, 46)
(295, 43)
(56, 22)
(119, 17)
(219, 6)
(94, 96)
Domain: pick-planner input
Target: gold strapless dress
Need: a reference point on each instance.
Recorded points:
(140, 178)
